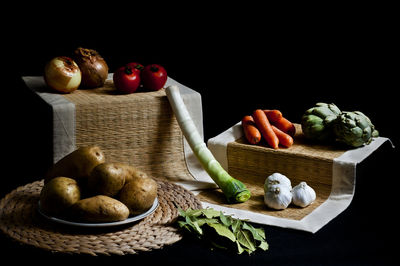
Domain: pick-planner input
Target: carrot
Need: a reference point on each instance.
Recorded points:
(262, 122)
(273, 115)
(286, 126)
(284, 139)
(276, 118)
(251, 132)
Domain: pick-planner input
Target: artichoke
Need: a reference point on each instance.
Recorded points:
(354, 129)
(317, 122)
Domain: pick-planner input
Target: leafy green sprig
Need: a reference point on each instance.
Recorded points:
(222, 231)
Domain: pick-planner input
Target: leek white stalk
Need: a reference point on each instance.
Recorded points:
(234, 190)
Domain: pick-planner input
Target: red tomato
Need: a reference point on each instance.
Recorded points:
(126, 80)
(135, 66)
(153, 77)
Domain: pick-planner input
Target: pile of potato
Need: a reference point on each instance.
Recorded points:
(83, 187)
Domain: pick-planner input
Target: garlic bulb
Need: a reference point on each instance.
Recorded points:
(303, 195)
(278, 197)
(277, 179)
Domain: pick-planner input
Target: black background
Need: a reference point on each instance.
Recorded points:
(239, 58)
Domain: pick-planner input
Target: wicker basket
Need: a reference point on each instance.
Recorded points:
(329, 169)
(139, 128)
(302, 162)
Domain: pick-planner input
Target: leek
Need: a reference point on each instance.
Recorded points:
(234, 190)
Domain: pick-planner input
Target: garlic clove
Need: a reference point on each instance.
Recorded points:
(277, 179)
(303, 195)
(278, 197)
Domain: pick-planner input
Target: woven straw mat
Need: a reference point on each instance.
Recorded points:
(20, 220)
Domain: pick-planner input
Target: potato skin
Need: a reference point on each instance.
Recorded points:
(99, 209)
(58, 195)
(132, 172)
(106, 179)
(138, 195)
(78, 164)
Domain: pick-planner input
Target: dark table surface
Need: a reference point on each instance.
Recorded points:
(237, 71)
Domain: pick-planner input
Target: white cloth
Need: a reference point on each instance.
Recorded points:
(63, 117)
(342, 192)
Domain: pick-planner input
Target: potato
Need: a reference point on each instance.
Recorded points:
(58, 195)
(99, 209)
(132, 172)
(138, 195)
(107, 179)
(78, 164)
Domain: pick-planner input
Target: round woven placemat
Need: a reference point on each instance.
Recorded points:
(20, 220)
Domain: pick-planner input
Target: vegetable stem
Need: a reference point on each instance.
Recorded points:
(128, 70)
(234, 190)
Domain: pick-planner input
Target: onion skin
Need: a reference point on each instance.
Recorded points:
(93, 67)
(62, 74)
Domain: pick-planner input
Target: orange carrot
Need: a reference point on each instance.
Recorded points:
(273, 115)
(262, 122)
(284, 139)
(286, 126)
(276, 119)
(251, 132)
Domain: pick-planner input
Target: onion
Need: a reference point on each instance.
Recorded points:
(93, 67)
(62, 74)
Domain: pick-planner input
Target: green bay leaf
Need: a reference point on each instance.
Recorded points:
(194, 225)
(245, 239)
(260, 231)
(257, 234)
(222, 230)
(242, 233)
(236, 225)
(240, 248)
(210, 213)
(197, 227)
(264, 245)
(225, 219)
(202, 221)
(193, 213)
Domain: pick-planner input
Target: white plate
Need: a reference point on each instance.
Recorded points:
(126, 221)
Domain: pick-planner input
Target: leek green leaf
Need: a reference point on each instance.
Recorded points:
(234, 190)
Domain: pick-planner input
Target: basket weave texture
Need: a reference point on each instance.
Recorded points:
(20, 220)
(138, 129)
(304, 161)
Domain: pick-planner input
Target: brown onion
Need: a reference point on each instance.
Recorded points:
(93, 67)
(62, 74)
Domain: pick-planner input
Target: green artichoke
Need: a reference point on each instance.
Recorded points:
(354, 129)
(317, 122)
